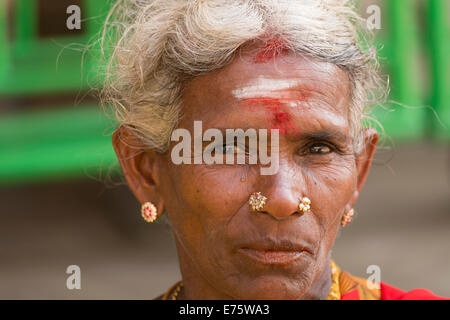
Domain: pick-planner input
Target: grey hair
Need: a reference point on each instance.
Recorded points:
(156, 45)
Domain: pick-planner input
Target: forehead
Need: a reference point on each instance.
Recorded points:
(299, 80)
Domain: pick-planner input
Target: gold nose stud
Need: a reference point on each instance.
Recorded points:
(257, 201)
(305, 205)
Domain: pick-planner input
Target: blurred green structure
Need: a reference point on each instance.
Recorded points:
(64, 141)
(72, 140)
(439, 48)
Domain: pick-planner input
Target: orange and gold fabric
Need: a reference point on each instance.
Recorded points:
(344, 286)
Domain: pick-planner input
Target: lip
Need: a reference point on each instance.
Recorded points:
(273, 253)
(272, 257)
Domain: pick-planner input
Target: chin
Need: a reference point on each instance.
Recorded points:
(272, 287)
(267, 280)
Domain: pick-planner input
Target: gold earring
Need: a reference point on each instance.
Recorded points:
(257, 201)
(347, 218)
(304, 205)
(149, 212)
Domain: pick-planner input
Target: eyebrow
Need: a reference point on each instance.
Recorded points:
(330, 134)
(324, 135)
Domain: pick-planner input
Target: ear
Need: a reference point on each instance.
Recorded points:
(364, 161)
(139, 166)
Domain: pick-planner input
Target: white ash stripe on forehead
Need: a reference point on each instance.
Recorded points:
(263, 86)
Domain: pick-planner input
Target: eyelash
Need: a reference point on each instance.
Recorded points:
(225, 146)
(332, 148)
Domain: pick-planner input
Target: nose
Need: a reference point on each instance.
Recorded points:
(283, 194)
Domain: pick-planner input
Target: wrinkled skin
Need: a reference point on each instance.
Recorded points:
(208, 204)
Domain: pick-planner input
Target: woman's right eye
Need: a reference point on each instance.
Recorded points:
(227, 149)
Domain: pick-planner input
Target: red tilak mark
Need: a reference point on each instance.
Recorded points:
(267, 102)
(279, 119)
(272, 49)
(281, 116)
(283, 123)
(262, 101)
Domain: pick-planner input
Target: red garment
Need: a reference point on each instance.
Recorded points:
(389, 292)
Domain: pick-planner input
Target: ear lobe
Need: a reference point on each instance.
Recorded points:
(138, 166)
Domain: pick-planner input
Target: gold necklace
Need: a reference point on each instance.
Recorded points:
(334, 294)
(176, 291)
(173, 291)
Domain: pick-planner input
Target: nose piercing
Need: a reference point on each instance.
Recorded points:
(257, 201)
(304, 205)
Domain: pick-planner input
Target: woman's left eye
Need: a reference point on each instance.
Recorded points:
(230, 148)
(319, 148)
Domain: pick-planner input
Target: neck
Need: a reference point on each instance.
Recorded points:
(195, 287)
(321, 286)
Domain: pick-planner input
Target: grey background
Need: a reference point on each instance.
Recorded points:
(402, 225)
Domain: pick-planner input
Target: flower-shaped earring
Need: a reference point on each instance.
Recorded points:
(149, 212)
(347, 218)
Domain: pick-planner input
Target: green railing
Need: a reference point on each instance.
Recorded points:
(31, 65)
(69, 142)
(73, 141)
(439, 50)
(65, 141)
(400, 40)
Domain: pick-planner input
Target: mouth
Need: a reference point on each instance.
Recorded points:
(273, 253)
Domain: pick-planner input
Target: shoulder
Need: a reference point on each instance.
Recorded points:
(389, 292)
(355, 288)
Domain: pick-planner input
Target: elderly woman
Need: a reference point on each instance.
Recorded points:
(243, 121)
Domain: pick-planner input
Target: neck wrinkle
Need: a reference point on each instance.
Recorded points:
(321, 287)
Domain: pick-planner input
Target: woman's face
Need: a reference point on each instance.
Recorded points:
(277, 253)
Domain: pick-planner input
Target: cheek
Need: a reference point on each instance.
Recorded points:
(203, 201)
(211, 195)
(332, 186)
